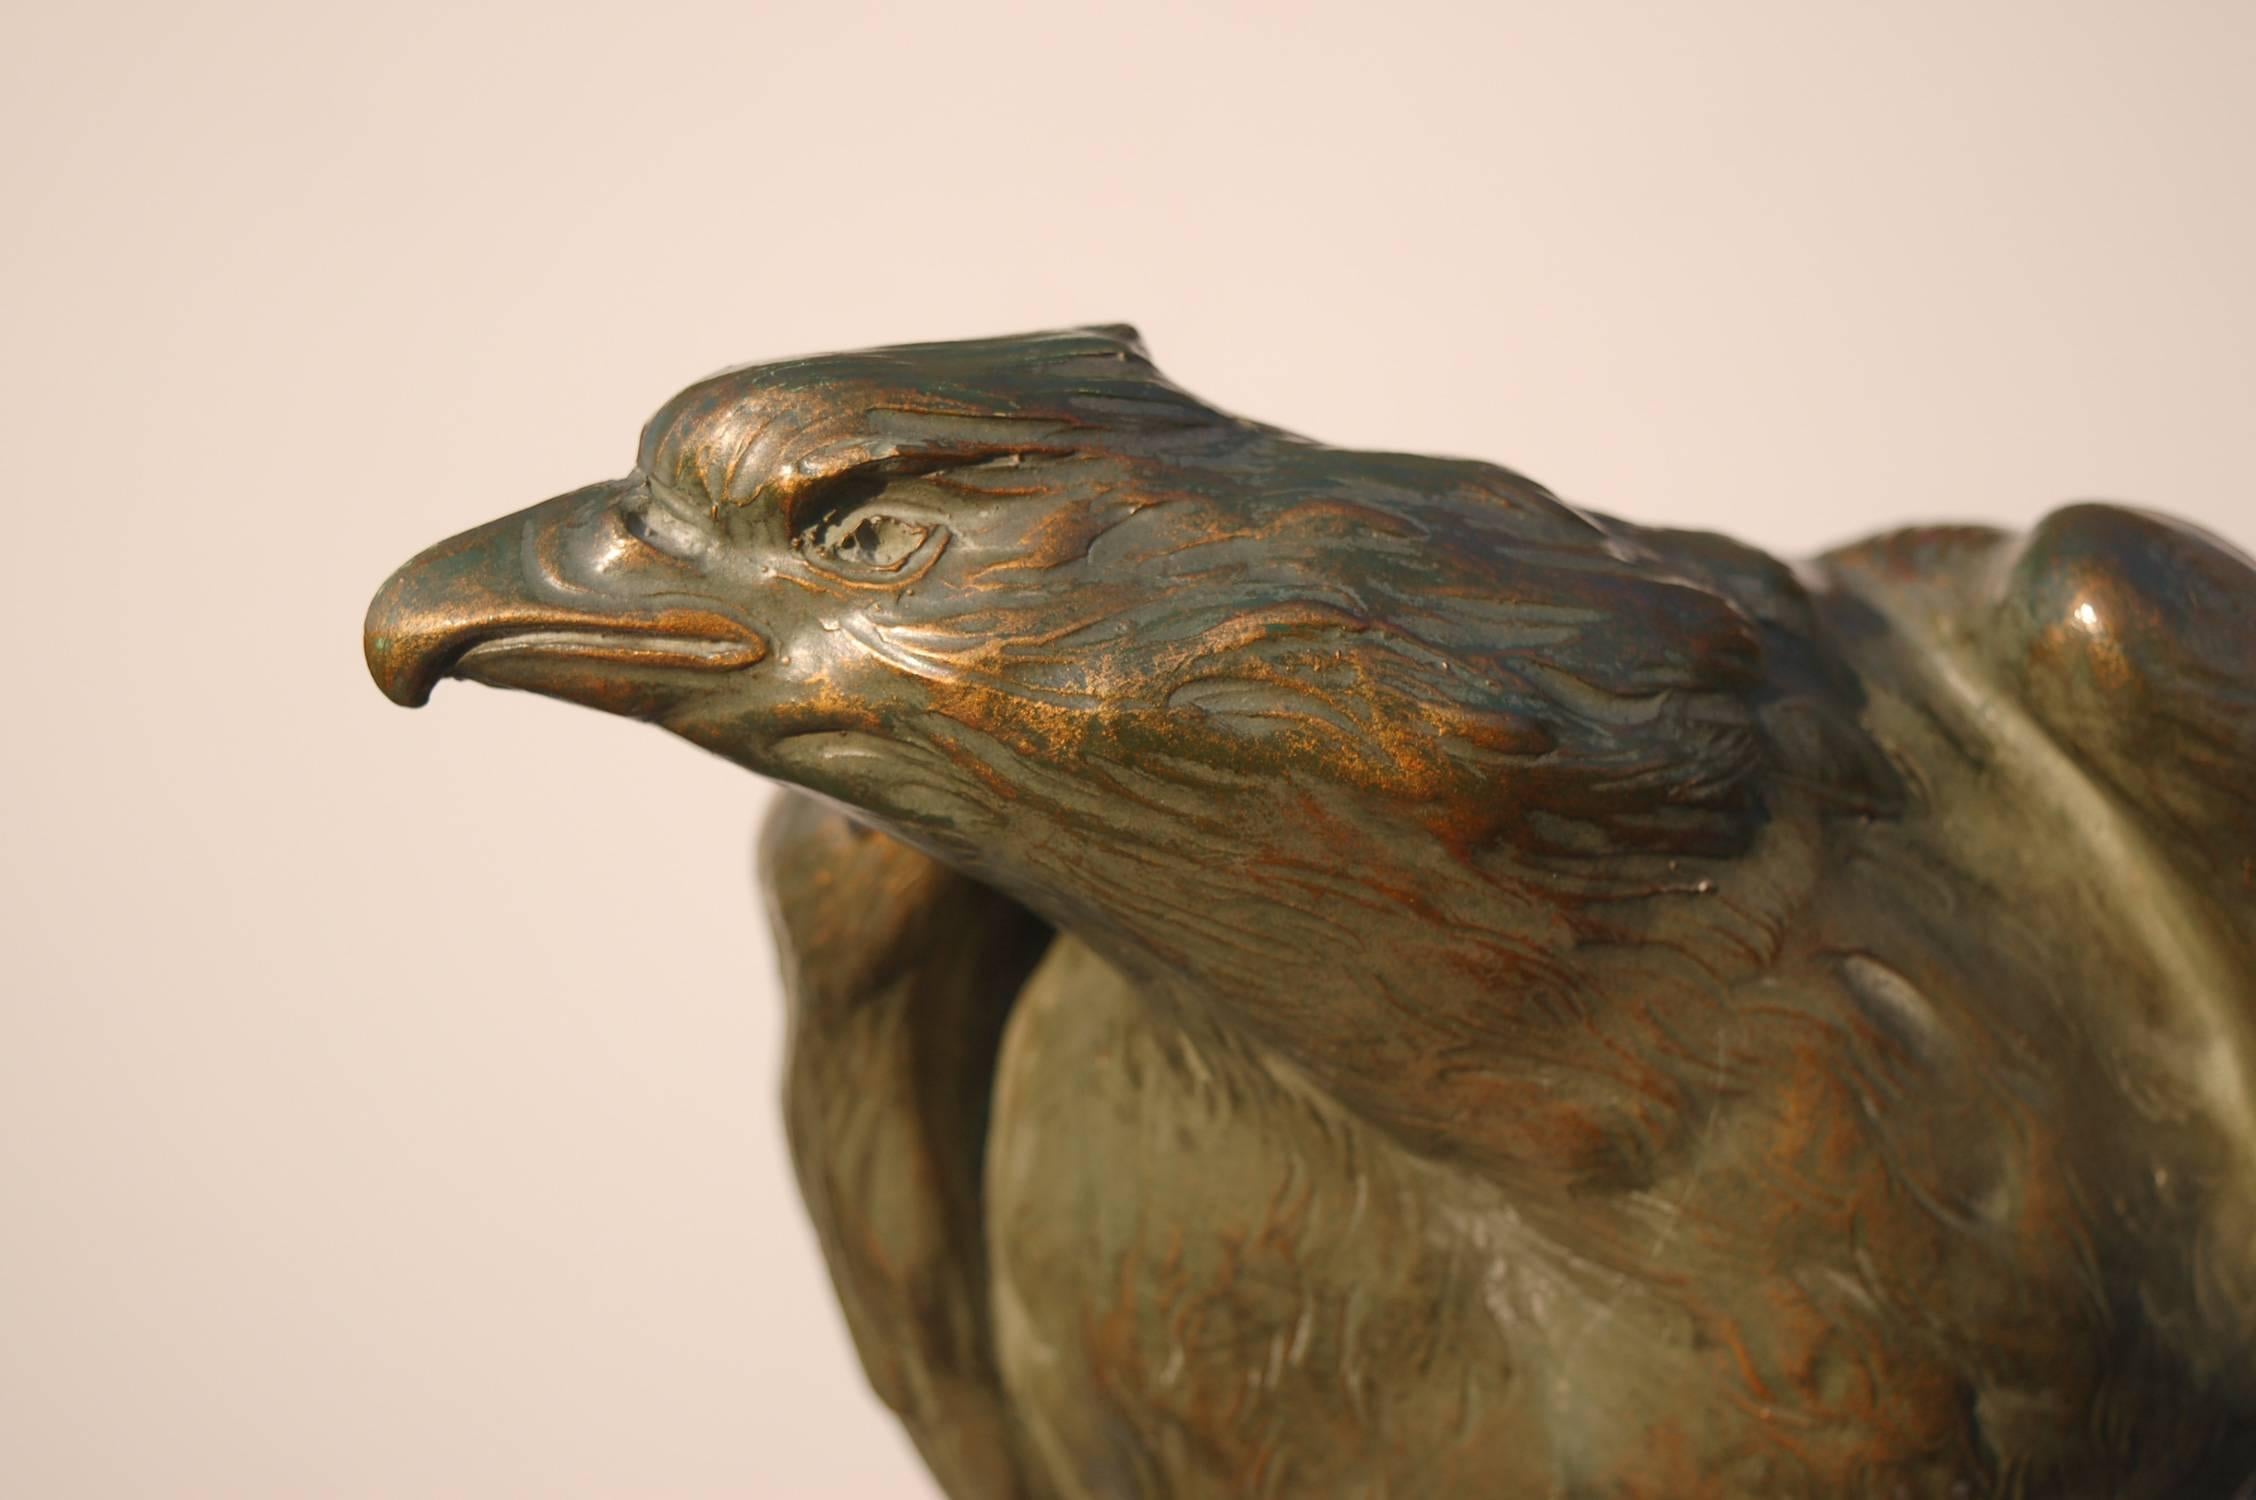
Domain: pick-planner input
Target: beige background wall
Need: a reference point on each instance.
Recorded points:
(386, 1099)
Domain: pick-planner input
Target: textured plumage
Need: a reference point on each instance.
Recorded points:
(1329, 972)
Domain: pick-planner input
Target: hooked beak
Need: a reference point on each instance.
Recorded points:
(545, 599)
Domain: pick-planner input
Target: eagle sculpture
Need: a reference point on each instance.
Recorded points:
(1337, 973)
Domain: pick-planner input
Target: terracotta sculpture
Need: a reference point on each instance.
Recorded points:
(1336, 973)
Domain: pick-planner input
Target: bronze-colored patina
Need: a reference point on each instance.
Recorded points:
(1336, 973)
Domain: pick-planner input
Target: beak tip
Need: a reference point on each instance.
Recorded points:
(401, 687)
(400, 670)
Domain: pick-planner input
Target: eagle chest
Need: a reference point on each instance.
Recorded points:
(1207, 1282)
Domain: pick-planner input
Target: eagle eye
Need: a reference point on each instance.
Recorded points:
(862, 528)
(871, 539)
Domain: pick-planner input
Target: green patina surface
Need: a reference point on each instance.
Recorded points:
(1319, 972)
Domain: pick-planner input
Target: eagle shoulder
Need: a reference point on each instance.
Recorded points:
(2131, 638)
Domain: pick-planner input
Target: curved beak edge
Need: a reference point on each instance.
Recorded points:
(475, 600)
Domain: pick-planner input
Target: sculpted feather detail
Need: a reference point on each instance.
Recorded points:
(1327, 971)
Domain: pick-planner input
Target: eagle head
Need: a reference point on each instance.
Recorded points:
(1223, 701)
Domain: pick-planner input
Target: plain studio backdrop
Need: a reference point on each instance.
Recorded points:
(388, 1100)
